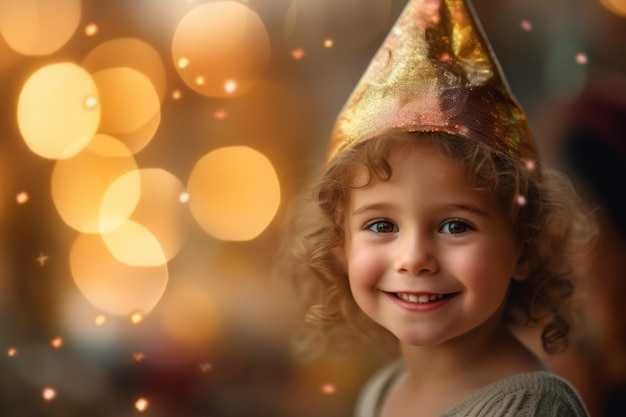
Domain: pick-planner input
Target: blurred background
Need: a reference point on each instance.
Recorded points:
(149, 150)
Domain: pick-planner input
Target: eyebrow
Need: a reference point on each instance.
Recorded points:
(371, 207)
(468, 207)
(472, 208)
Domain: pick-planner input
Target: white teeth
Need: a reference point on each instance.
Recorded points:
(420, 299)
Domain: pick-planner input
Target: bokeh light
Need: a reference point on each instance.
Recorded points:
(217, 42)
(79, 184)
(52, 114)
(350, 23)
(159, 224)
(128, 103)
(234, 192)
(38, 27)
(130, 53)
(110, 285)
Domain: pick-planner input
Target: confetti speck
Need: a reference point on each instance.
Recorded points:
(220, 114)
(184, 197)
(183, 62)
(328, 43)
(22, 198)
(328, 389)
(521, 200)
(49, 394)
(139, 357)
(230, 86)
(11, 352)
(42, 259)
(100, 320)
(526, 25)
(57, 342)
(141, 405)
(91, 29)
(297, 54)
(530, 165)
(177, 94)
(136, 318)
(91, 102)
(581, 59)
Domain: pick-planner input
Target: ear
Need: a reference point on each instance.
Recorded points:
(522, 270)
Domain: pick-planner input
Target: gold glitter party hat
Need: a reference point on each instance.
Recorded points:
(435, 71)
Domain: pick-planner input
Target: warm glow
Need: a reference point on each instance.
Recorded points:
(134, 245)
(139, 357)
(51, 111)
(11, 352)
(617, 7)
(328, 389)
(38, 27)
(234, 193)
(128, 103)
(79, 185)
(220, 40)
(110, 285)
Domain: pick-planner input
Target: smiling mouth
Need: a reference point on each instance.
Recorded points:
(421, 298)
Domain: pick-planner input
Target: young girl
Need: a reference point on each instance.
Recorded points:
(433, 224)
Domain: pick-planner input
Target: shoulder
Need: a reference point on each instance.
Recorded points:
(538, 393)
(375, 389)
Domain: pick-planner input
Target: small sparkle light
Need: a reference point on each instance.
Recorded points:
(100, 320)
(22, 198)
(42, 259)
(177, 94)
(328, 389)
(11, 352)
(200, 80)
(297, 54)
(139, 357)
(230, 86)
(184, 197)
(397, 31)
(183, 62)
(526, 25)
(91, 102)
(530, 165)
(521, 200)
(141, 405)
(581, 59)
(49, 394)
(57, 342)
(205, 367)
(136, 317)
(328, 43)
(220, 114)
(91, 29)
(445, 57)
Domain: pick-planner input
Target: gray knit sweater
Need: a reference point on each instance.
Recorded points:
(535, 394)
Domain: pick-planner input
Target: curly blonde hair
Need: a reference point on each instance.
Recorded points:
(548, 223)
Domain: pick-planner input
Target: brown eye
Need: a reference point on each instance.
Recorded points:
(382, 226)
(455, 227)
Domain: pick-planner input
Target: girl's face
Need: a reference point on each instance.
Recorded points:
(428, 257)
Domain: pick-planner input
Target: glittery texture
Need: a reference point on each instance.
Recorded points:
(435, 72)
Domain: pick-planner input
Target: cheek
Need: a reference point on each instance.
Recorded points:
(484, 272)
(362, 266)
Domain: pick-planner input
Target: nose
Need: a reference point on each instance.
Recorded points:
(416, 256)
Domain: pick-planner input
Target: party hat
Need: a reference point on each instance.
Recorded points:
(435, 72)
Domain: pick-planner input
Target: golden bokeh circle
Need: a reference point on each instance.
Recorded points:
(58, 110)
(234, 193)
(221, 49)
